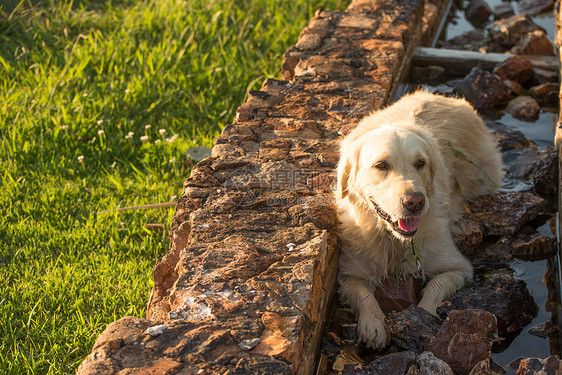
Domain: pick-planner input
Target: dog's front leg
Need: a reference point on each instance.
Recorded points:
(441, 287)
(370, 327)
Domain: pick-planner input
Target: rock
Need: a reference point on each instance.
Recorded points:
(503, 10)
(412, 329)
(544, 330)
(515, 87)
(505, 213)
(259, 365)
(533, 246)
(523, 108)
(508, 31)
(309, 42)
(505, 297)
(428, 364)
(534, 43)
(512, 139)
(487, 367)
(545, 76)
(483, 90)
(395, 363)
(546, 94)
(516, 68)
(535, 366)
(470, 37)
(465, 339)
(477, 12)
(427, 72)
(545, 176)
(535, 6)
(467, 234)
(396, 295)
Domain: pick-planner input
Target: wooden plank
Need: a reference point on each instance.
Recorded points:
(461, 62)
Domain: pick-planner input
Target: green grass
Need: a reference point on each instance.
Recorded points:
(76, 78)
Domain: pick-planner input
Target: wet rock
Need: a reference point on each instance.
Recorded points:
(508, 31)
(465, 339)
(483, 89)
(503, 296)
(477, 12)
(545, 176)
(546, 94)
(536, 366)
(427, 72)
(503, 10)
(526, 246)
(395, 363)
(505, 213)
(523, 108)
(515, 68)
(412, 329)
(512, 139)
(427, 363)
(544, 330)
(396, 295)
(535, 6)
(515, 87)
(534, 43)
(467, 234)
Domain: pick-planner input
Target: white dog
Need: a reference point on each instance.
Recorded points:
(403, 173)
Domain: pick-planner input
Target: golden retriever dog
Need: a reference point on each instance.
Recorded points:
(403, 174)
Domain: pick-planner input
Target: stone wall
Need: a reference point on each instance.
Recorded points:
(247, 284)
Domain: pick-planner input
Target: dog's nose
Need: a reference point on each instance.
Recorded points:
(413, 202)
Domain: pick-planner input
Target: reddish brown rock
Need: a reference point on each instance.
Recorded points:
(396, 295)
(508, 31)
(467, 234)
(506, 298)
(483, 90)
(465, 339)
(536, 366)
(546, 94)
(412, 329)
(523, 108)
(534, 43)
(395, 363)
(477, 12)
(506, 213)
(545, 175)
(515, 68)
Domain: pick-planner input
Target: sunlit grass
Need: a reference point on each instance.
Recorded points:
(98, 103)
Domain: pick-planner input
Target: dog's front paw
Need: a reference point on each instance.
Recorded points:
(372, 331)
(430, 308)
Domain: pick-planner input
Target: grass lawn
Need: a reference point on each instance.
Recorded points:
(98, 103)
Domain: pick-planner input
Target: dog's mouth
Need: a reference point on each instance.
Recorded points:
(406, 226)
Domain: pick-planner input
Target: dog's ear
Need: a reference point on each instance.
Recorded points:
(347, 168)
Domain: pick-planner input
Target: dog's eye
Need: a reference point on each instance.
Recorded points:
(381, 165)
(420, 164)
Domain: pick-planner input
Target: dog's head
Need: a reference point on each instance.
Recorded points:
(390, 172)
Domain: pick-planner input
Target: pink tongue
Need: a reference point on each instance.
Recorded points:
(408, 225)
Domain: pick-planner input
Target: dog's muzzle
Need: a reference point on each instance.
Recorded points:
(405, 226)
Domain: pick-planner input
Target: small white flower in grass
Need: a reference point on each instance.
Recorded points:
(101, 132)
(130, 135)
(172, 138)
(162, 132)
(99, 122)
(127, 91)
(81, 158)
(144, 138)
(63, 127)
(156, 141)
(147, 126)
(113, 164)
(172, 160)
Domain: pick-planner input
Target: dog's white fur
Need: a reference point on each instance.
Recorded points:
(424, 143)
